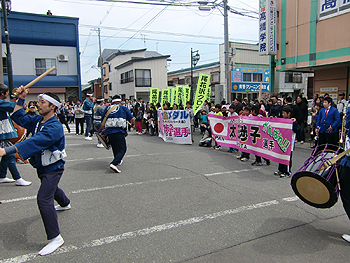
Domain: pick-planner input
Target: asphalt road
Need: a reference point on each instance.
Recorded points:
(171, 203)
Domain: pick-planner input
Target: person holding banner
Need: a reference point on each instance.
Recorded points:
(284, 170)
(190, 111)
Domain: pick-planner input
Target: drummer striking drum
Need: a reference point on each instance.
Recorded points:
(46, 149)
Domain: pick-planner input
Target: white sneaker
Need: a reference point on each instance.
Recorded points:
(100, 145)
(88, 138)
(52, 246)
(6, 180)
(22, 182)
(346, 237)
(62, 208)
(120, 162)
(114, 168)
(301, 142)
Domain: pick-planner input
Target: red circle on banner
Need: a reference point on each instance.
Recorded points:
(218, 128)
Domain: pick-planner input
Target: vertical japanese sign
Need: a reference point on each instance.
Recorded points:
(165, 96)
(208, 93)
(178, 95)
(330, 8)
(186, 94)
(201, 91)
(265, 137)
(175, 126)
(267, 27)
(173, 95)
(154, 96)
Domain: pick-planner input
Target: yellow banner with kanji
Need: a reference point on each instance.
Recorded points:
(178, 99)
(201, 92)
(186, 94)
(165, 96)
(154, 96)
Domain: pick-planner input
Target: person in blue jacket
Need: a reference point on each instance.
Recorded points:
(88, 105)
(7, 131)
(328, 123)
(46, 149)
(116, 130)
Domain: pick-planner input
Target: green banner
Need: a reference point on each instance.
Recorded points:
(178, 99)
(154, 96)
(165, 96)
(201, 91)
(173, 96)
(186, 94)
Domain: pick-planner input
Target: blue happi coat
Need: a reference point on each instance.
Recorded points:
(46, 147)
(7, 131)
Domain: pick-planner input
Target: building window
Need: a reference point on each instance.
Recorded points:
(44, 64)
(104, 71)
(127, 77)
(4, 65)
(215, 77)
(110, 86)
(247, 77)
(293, 77)
(188, 80)
(257, 77)
(105, 89)
(143, 78)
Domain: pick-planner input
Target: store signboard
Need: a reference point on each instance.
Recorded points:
(238, 83)
(331, 8)
(267, 27)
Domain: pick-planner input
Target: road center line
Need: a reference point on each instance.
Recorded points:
(144, 231)
(131, 184)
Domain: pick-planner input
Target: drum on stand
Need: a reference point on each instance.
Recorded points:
(318, 188)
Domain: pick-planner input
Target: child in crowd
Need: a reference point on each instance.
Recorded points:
(232, 112)
(204, 119)
(258, 162)
(283, 170)
(244, 157)
(217, 111)
(139, 117)
(206, 139)
(223, 110)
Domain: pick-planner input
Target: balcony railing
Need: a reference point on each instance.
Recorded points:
(143, 82)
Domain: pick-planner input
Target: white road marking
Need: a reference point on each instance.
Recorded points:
(144, 231)
(132, 184)
(291, 199)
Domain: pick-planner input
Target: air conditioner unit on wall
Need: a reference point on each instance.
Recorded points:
(62, 57)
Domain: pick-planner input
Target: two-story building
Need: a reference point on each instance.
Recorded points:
(39, 42)
(132, 73)
(312, 36)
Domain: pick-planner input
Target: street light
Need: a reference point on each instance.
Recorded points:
(194, 60)
(6, 8)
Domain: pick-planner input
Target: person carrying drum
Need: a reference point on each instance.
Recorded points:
(116, 130)
(6, 133)
(345, 175)
(46, 151)
(327, 123)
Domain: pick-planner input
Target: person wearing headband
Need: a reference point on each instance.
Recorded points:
(7, 131)
(116, 130)
(88, 105)
(46, 152)
(98, 111)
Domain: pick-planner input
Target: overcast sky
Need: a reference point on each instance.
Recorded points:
(169, 30)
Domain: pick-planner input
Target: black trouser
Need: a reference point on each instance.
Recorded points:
(330, 138)
(284, 168)
(48, 192)
(345, 188)
(64, 121)
(79, 121)
(245, 155)
(118, 143)
(258, 159)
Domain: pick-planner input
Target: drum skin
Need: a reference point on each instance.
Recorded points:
(312, 186)
(21, 134)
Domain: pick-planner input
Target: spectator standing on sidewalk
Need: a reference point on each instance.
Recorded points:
(79, 118)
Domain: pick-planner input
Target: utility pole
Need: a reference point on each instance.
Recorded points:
(101, 59)
(7, 42)
(226, 54)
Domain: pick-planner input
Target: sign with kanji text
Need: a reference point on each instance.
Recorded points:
(173, 95)
(201, 92)
(165, 96)
(330, 8)
(175, 126)
(267, 27)
(270, 138)
(154, 96)
(186, 94)
(178, 98)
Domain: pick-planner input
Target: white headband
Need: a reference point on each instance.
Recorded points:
(100, 100)
(116, 100)
(89, 94)
(49, 99)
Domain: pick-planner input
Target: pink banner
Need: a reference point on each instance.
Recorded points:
(270, 138)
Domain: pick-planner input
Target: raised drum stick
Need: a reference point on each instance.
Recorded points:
(333, 160)
(47, 72)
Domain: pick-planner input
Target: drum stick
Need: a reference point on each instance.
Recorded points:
(333, 160)
(338, 181)
(40, 77)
